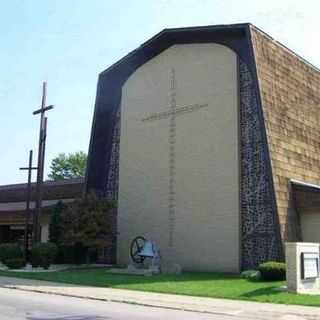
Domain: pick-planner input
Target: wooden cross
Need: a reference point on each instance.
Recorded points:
(171, 114)
(28, 198)
(41, 157)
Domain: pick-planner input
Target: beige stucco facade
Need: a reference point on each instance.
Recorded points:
(179, 171)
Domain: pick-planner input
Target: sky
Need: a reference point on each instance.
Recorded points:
(69, 42)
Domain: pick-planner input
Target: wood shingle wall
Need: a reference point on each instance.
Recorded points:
(290, 95)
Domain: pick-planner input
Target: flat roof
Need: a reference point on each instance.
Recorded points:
(47, 183)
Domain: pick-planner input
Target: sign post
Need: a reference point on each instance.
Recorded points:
(302, 261)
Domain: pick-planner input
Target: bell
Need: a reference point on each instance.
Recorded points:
(147, 250)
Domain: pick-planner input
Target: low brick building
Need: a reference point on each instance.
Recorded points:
(13, 206)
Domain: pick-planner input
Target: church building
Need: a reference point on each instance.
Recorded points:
(208, 138)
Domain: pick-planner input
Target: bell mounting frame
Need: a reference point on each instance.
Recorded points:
(135, 247)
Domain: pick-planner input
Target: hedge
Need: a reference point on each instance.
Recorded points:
(272, 271)
(43, 254)
(10, 251)
(15, 263)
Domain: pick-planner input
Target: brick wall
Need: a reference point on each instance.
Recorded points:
(290, 94)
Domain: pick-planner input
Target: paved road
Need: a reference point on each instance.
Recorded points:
(17, 305)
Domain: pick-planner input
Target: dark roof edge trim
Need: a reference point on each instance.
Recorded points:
(305, 185)
(237, 26)
(47, 183)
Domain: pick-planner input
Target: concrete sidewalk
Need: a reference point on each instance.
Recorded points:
(240, 309)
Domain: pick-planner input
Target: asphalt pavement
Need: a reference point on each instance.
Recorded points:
(43, 300)
(17, 305)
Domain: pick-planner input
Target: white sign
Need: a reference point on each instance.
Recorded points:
(310, 265)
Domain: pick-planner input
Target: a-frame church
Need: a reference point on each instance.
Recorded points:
(209, 140)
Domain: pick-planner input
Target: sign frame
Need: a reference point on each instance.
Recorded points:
(305, 256)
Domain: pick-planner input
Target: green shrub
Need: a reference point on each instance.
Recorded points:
(10, 251)
(15, 263)
(272, 271)
(43, 254)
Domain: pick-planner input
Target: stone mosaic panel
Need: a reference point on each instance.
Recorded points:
(111, 191)
(113, 170)
(260, 239)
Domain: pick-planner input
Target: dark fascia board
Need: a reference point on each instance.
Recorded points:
(48, 183)
(169, 34)
(304, 186)
(11, 213)
(51, 191)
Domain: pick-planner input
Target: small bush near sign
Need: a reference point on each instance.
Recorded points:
(43, 255)
(10, 253)
(272, 271)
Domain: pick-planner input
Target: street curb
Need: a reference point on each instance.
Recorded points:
(12, 287)
(243, 313)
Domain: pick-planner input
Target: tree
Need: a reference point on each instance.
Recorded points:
(56, 223)
(88, 222)
(68, 166)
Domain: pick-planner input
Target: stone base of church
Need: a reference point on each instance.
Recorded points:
(148, 271)
(136, 270)
(172, 268)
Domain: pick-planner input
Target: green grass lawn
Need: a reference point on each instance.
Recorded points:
(215, 285)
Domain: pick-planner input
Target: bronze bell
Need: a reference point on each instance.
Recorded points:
(148, 250)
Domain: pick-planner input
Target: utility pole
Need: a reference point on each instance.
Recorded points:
(40, 167)
(28, 199)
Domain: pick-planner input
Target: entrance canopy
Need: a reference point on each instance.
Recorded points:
(306, 195)
(307, 204)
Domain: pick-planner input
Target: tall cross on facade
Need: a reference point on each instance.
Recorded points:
(172, 114)
(41, 157)
(28, 199)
